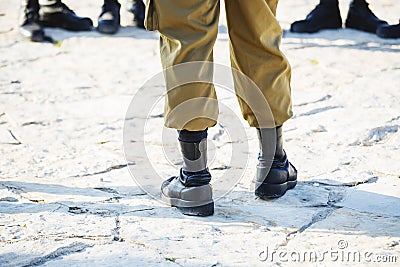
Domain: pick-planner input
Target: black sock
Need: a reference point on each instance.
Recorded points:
(192, 136)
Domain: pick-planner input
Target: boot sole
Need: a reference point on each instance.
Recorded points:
(317, 29)
(187, 208)
(359, 27)
(269, 191)
(201, 211)
(66, 27)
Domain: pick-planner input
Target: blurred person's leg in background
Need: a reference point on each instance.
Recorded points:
(35, 14)
(109, 19)
(29, 21)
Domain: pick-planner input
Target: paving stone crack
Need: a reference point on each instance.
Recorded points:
(57, 237)
(327, 97)
(107, 190)
(369, 180)
(363, 46)
(373, 214)
(386, 173)
(319, 216)
(132, 211)
(62, 251)
(15, 138)
(109, 169)
(116, 230)
(334, 197)
(394, 119)
(318, 110)
(14, 189)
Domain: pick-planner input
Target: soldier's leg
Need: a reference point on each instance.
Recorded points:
(188, 30)
(255, 52)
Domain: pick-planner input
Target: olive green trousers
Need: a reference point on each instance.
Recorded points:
(188, 30)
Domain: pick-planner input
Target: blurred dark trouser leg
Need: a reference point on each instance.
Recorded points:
(138, 10)
(109, 18)
(29, 21)
(54, 13)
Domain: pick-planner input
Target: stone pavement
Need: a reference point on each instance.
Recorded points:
(67, 197)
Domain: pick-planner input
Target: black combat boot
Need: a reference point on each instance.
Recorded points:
(54, 13)
(109, 19)
(29, 24)
(138, 10)
(360, 17)
(388, 31)
(191, 191)
(325, 15)
(274, 178)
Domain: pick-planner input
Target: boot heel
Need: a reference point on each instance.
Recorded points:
(203, 211)
(292, 184)
(267, 190)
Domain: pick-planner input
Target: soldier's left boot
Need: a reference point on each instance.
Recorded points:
(360, 17)
(275, 174)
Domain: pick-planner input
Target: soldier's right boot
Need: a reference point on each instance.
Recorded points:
(191, 191)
